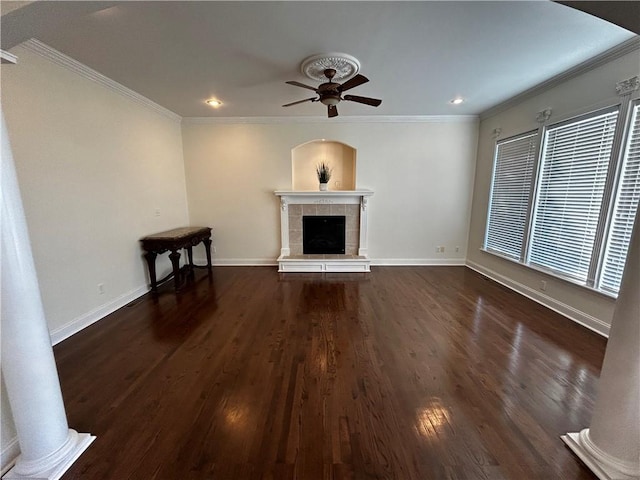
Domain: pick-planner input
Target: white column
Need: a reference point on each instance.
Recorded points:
(285, 250)
(48, 447)
(611, 446)
(363, 248)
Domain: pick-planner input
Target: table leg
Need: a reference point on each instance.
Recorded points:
(190, 256)
(150, 257)
(207, 249)
(174, 256)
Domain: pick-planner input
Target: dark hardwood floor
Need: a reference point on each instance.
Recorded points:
(404, 373)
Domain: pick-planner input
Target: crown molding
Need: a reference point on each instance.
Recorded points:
(59, 58)
(586, 66)
(325, 120)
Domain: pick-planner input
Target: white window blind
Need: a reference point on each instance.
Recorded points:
(573, 172)
(625, 206)
(510, 192)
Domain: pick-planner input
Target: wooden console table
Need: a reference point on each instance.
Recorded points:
(174, 240)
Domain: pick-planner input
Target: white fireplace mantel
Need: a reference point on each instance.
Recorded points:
(319, 263)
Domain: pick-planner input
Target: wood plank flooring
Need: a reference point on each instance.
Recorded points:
(404, 373)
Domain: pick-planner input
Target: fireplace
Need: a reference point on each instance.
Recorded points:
(323, 234)
(339, 213)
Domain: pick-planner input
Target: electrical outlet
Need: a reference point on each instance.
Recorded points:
(101, 289)
(214, 249)
(337, 183)
(457, 249)
(543, 285)
(157, 212)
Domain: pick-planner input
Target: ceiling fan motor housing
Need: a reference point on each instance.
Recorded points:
(328, 91)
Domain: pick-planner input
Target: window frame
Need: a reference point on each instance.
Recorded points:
(525, 232)
(633, 110)
(625, 108)
(606, 194)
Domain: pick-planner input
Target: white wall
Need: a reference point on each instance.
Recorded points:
(421, 173)
(589, 91)
(93, 167)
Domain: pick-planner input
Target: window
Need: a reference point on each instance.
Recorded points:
(510, 192)
(574, 165)
(577, 224)
(624, 211)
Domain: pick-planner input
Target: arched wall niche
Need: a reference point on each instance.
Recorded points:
(340, 157)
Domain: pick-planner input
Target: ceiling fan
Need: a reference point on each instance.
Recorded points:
(330, 93)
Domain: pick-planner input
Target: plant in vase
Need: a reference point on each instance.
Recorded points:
(324, 175)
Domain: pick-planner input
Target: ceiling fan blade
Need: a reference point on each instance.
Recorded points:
(354, 82)
(332, 111)
(298, 84)
(374, 102)
(312, 99)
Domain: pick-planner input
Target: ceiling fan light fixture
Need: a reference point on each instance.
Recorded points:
(457, 101)
(214, 102)
(330, 99)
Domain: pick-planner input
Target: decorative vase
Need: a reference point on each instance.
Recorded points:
(323, 187)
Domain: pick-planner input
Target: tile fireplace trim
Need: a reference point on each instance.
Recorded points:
(339, 197)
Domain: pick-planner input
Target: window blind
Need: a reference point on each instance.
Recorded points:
(510, 192)
(573, 172)
(624, 211)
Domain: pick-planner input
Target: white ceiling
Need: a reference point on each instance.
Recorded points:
(417, 55)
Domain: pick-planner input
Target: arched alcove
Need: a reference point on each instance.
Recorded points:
(340, 157)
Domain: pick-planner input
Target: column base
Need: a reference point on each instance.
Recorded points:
(601, 464)
(53, 466)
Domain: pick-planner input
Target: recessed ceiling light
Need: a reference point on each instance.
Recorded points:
(214, 102)
(457, 101)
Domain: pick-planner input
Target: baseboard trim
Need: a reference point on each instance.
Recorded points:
(578, 316)
(9, 455)
(89, 318)
(380, 262)
(237, 262)
(417, 262)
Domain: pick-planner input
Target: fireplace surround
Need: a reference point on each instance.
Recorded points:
(352, 204)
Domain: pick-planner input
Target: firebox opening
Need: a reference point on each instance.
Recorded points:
(323, 234)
